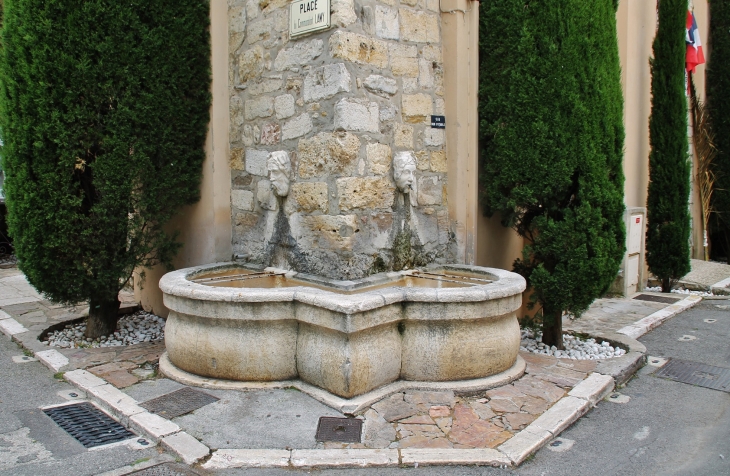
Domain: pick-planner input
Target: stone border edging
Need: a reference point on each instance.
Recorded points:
(562, 414)
(130, 414)
(721, 287)
(344, 405)
(557, 418)
(642, 326)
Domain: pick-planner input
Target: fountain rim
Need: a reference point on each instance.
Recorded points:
(505, 284)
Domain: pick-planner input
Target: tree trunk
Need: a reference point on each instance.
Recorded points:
(552, 329)
(666, 285)
(103, 317)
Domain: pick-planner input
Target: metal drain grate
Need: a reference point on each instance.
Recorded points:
(653, 298)
(178, 402)
(695, 373)
(166, 469)
(344, 430)
(88, 424)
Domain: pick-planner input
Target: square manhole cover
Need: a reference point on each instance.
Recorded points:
(178, 403)
(654, 298)
(343, 430)
(695, 373)
(89, 425)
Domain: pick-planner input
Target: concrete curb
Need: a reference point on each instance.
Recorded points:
(344, 405)
(126, 409)
(11, 327)
(557, 418)
(721, 287)
(624, 367)
(641, 327)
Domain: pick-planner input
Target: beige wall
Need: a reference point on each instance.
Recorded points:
(205, 228)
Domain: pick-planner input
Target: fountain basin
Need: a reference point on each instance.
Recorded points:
(443, 323)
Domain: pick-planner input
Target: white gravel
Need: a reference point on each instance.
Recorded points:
(658, 289)
(575, 348)
(131, 329)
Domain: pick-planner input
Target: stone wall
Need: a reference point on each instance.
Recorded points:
(341, 102)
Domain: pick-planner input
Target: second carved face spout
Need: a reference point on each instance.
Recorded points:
(279, 167)
(404, 168)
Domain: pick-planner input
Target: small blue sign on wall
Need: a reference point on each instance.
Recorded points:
(438, 122)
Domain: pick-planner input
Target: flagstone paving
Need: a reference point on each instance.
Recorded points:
(420, 419)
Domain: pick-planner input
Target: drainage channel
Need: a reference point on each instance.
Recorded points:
(178, 403)
(89, 425)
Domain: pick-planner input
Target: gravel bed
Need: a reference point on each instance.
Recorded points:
(131, 329)
(575, 347)
(658, 289)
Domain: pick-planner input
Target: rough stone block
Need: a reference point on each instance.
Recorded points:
(284, 106)
(433, 137)
(425, 73)
(307, 197)
(270, 133)
(422, 160)
(260, 30)
(438, 161)
(379, 158)
(358, 49)
(237, 19)
(365, 193)
(386, 23)
(405, 67)
(388, 112)
(403, 136)
(357, 115)
(259, 107)
(399, 50)
(250, 64)
(328, 153)
(431, 53)
(299, 54)
(416, 108)
(236, 161)
(256, 162)
(268, 6)
(329, 232)
(242, 199)
(420, 27)
(381, 85)
(343, 12)
(410, 85)
(325, 82)
(264, 86)
(297, 127)
(430, 191)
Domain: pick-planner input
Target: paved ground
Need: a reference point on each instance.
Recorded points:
(30, 442)
(670, 414)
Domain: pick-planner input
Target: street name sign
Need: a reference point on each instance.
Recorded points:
(307, 16)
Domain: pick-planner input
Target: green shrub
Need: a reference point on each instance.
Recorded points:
(551, 139)
(667, 212)
(104, 116)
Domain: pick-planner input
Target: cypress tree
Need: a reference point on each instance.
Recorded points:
(104, 116)
(551, 139)
(718, 106)
(667, 212)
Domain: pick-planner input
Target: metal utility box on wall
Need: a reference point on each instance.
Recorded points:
(631, 275)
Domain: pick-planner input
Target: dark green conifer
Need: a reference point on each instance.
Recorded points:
(718, 106)
(551, 137)
(104, 117)
(667, 212)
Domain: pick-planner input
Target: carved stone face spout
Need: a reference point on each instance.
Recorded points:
(404, 168)
(279, 167)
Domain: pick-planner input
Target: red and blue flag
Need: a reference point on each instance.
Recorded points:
(694, 45)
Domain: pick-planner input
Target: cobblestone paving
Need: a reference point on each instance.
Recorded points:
(420, 419)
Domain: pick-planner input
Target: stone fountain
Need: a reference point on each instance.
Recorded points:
(434, 326)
